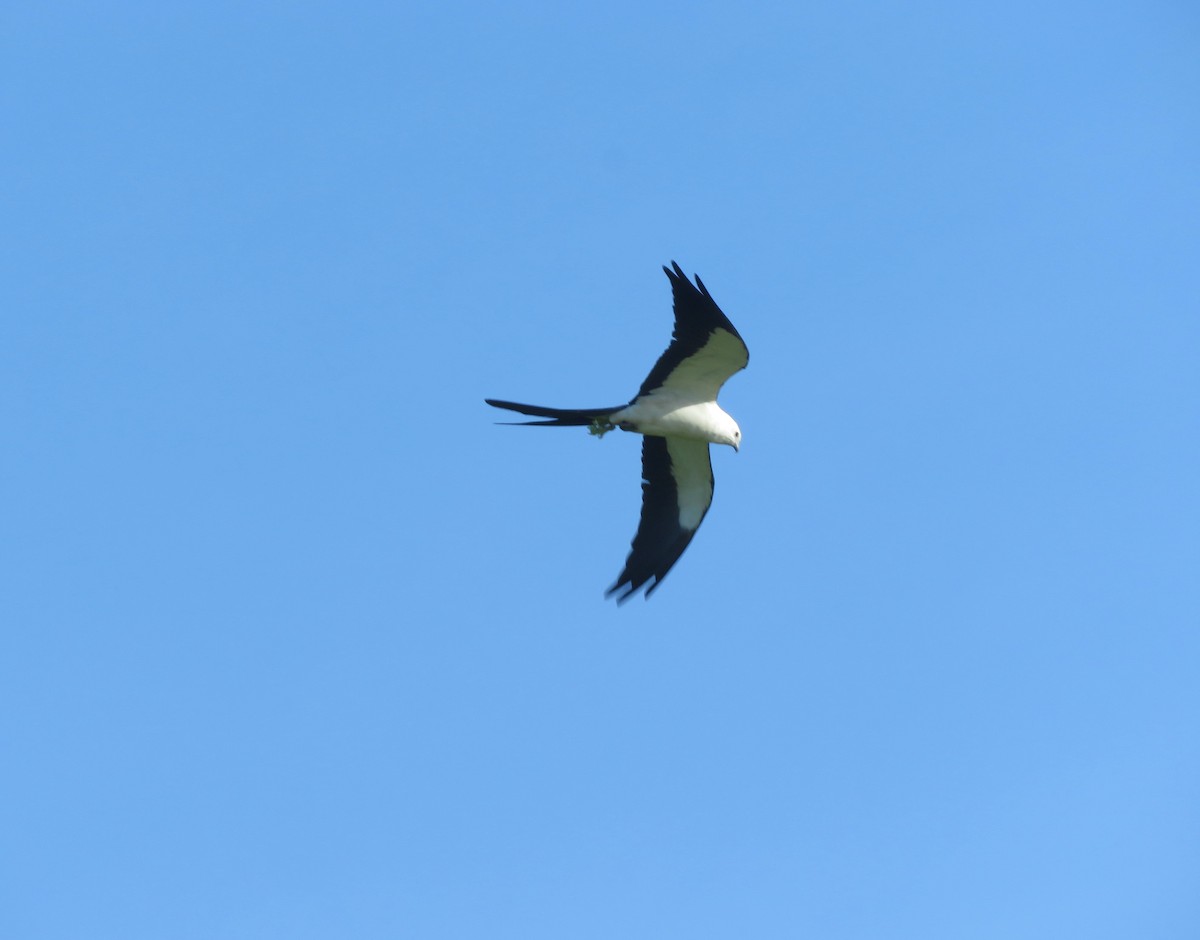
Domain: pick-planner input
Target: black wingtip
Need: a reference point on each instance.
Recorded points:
(675, 273)
(627, 588)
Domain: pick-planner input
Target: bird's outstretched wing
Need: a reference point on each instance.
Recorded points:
(677, 489)
(705, 348)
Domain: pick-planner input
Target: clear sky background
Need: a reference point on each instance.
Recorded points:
(298, 644)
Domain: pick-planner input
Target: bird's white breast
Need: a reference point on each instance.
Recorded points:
(662, 414)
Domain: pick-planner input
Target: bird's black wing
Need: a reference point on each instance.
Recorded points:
(677, 489)
(705, 348)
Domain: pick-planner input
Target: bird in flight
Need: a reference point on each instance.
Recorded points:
(677, 414)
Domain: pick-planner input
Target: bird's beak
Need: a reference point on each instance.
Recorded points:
(736, 449)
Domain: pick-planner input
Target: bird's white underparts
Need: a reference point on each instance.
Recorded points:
(677, 414)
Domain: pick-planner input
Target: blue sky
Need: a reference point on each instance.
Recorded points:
(299, 644)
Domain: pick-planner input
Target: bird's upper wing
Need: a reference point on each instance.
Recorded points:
(677, 489)
(705, 348)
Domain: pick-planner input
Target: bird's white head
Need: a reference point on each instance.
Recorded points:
(731, 434)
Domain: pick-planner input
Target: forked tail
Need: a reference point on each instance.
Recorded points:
(558, 417)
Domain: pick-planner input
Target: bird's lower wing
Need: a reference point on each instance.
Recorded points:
(677, 489)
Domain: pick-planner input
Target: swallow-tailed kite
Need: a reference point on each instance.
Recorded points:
(677, 414)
